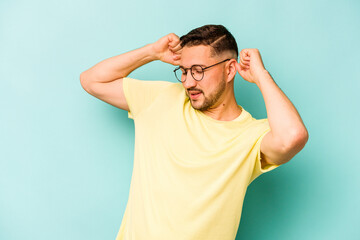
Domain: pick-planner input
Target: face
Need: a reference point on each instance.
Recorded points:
(212, 87)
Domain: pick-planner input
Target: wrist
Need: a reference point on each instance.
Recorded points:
(263, 75)
(153, 54)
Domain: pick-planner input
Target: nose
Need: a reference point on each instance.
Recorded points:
(190, 81)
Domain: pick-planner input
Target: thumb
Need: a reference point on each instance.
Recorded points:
(238, 68)
(172, 44)
(177, 48)
(173, 41)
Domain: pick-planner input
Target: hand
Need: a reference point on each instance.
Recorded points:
(250, 66)
(167, 49)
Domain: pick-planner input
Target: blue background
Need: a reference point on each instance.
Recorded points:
(66, 157)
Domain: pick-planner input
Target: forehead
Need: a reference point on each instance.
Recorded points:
(200, 55)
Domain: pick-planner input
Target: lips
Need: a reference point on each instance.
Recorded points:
(195, 94)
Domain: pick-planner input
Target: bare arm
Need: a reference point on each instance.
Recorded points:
(118, 66)
(288, 133)
(104, 80)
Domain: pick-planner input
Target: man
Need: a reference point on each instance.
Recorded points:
(196, 149)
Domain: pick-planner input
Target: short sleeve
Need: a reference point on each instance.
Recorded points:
(140, 94)
(258, 170)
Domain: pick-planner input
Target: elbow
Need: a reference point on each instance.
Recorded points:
(298, 140)
(302, 136)
(82, 78)
(84, 82)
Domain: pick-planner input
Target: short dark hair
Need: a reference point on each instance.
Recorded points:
(216, 36)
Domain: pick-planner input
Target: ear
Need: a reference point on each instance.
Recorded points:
(231, 69)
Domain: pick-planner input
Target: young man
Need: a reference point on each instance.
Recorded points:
(196, 149)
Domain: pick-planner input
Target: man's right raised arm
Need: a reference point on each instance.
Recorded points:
(104, 80)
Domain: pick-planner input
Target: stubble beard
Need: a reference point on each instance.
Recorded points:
(212, 99)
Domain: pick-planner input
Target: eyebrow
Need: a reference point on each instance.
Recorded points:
(193, 65)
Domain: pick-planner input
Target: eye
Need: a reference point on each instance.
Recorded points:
(183, 71)
(197, 69)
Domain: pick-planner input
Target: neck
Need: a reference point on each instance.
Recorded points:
(226, 110)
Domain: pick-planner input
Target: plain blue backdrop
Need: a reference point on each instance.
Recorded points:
(66, 157)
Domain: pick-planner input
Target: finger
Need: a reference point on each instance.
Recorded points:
(172, 44)
(242, 64)
(174, 36)
(176, 56)
(176, 62)
(238, 68)
(244, 57)
(244, 67)
(176, 48)
(247, 53)
(245, 62)
(244, 54)
(173, 41)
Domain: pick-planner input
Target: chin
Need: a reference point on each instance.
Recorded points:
(196, 106)
(199, 106)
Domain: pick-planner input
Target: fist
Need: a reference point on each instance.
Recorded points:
(250, 66)
(167, 49)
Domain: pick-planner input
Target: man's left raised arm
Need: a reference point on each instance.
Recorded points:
(288, 134)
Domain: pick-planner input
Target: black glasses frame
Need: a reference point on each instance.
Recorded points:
(203, 68)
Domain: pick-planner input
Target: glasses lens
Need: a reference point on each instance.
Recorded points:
(197, 72)
(180, 74)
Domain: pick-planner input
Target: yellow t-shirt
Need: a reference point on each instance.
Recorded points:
(190, 171)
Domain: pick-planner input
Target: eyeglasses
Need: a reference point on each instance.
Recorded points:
(197, 71)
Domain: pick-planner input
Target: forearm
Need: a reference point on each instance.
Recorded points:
(284, 120)
(119, 66)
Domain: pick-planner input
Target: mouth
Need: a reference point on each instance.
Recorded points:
(195, 94)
